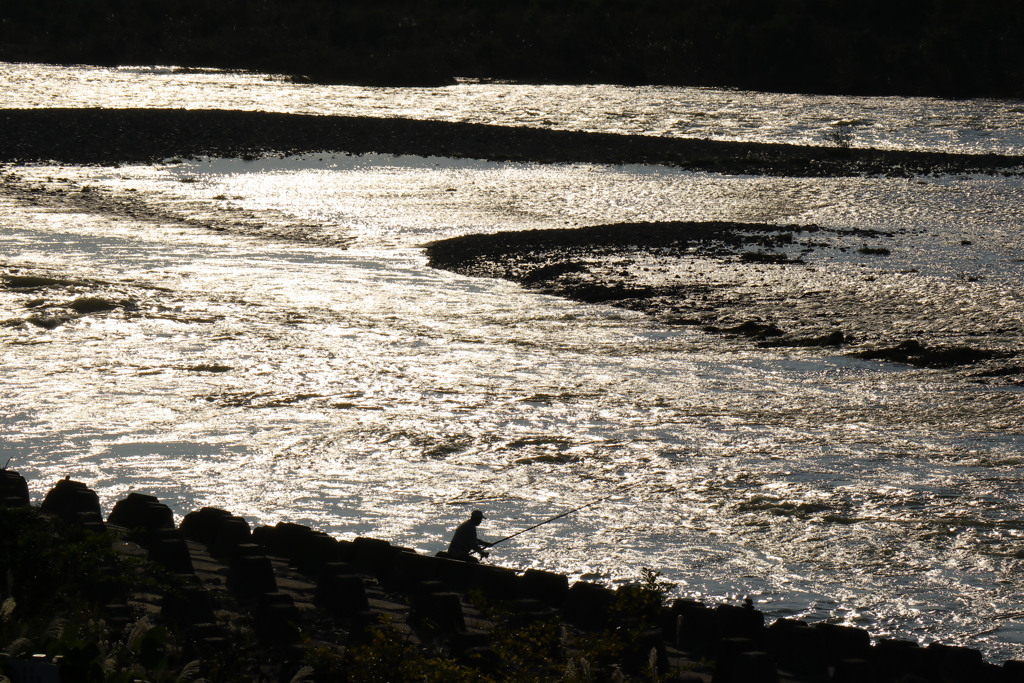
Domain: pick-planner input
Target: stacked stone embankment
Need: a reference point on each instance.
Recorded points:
(297, 588)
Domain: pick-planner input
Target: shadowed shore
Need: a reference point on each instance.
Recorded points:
(212, 595)
(113, 136)
(927, 47)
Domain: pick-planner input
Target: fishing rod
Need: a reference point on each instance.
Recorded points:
(581, 507)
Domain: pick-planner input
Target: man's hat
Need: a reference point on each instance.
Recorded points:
(477, 513)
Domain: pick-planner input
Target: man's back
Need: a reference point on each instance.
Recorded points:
(464, 540)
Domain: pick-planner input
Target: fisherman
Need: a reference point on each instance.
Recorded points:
(464, 540)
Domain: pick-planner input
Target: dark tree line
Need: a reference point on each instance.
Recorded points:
(906, 47)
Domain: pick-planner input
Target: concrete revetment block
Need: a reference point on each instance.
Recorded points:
(68, 498)
(250, 577)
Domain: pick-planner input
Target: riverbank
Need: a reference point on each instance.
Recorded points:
(213, 599)
(118, 136)
(930, 48)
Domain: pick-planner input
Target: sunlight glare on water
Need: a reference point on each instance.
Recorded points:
(363, 393)
(971, 126)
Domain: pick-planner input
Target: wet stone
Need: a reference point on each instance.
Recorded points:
(93, 304)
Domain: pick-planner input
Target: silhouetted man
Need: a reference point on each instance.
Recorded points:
(464, 541)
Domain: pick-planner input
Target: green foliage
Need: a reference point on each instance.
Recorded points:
(58, 577)
(652, 582)
(388, 656)
(641, 602)
(42, 560)
(533, 653)
(553, 651)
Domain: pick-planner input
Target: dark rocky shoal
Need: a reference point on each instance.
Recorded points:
(113, 136)
(290, 591)
(749, 295)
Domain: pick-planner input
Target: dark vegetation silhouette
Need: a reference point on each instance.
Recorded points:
(908, 47)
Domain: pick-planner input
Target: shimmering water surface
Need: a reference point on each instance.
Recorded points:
(358, 391)
(973, 126)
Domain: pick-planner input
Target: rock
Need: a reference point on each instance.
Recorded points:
(189, 605)
(799, 649)
(550, 587)
(314, 551)
(232, 531)
(276, 620)
(1013, 671)
(587, 605)
(836, 338)
(740, 622)
(341, 594)
(729, 650)
(172, 554)
(912, 352)
(13, 489)
(92, 304)
(896, 658)
(141, 511)
(249, 576)
(374, 555)
(496, 583)
(442, 611)
(282, 539)
(70, 498)
(48, 321)
(853, 671)
(844, 642)
(954, 664)
(699, 631)
(527, 612)
(34, 282)
(455, 575)
(202, 525)
(753, 667)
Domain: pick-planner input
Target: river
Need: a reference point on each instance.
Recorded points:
(355, 389)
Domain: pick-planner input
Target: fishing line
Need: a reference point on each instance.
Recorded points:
(581, 507)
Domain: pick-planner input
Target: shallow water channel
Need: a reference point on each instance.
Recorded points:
(355, 389)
